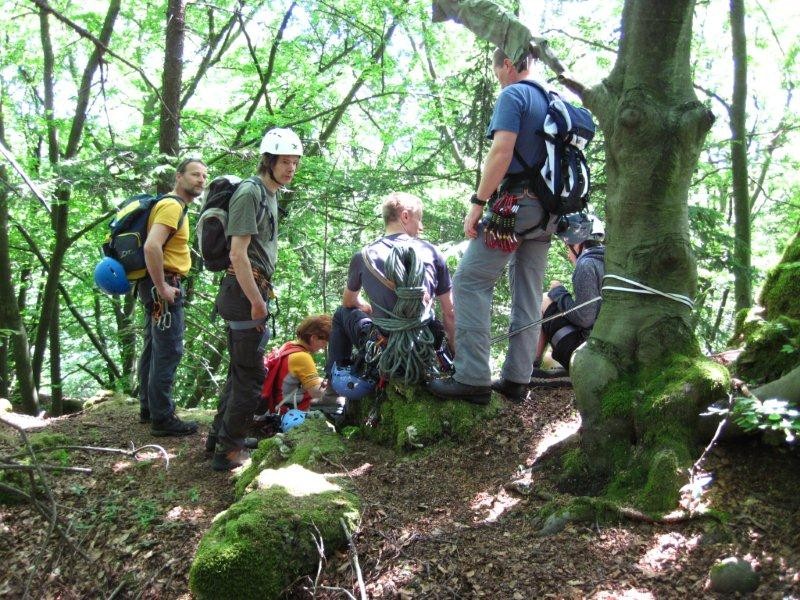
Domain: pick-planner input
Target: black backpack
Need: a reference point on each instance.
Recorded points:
(561, 180)
(213, 243)
(128, 232)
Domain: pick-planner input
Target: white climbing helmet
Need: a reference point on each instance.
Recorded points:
(281, 141)
(598, 229)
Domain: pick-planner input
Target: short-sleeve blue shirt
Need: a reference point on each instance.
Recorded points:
(521, 109)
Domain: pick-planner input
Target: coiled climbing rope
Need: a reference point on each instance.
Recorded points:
(409, 352)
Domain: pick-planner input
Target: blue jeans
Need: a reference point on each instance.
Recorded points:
(347, 329)
(161, 354)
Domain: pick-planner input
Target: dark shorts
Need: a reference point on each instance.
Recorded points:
(562, 351)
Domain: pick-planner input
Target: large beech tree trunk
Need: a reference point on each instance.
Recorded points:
(654, 129)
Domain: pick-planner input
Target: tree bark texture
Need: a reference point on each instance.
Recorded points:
(743, 286)
(169, 126)
(654, 129)
(10, 317)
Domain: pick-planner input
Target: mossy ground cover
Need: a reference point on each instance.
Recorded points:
(443, 519)
(651, 419)
(263, 542)
(411, 418)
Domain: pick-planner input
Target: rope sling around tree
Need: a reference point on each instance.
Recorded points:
(638, 288)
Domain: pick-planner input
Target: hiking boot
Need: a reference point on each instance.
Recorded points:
(211, 442)
(172, 426)
(144, 415)
(229, 460)
(449, 388)
(515, 392)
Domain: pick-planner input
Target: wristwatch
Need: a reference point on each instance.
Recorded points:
(476, 200)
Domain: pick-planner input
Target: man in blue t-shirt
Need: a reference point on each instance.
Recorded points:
(352, 322)
(515, 232)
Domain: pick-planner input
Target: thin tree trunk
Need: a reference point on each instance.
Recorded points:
(169, 127)
(10, 317)
(743, 286)
(56, 389)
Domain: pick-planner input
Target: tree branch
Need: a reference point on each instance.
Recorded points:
(87, 35)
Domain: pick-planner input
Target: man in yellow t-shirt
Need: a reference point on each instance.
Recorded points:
(166, 253)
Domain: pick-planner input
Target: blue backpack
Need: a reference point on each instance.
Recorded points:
(561, 180)
(128, 232)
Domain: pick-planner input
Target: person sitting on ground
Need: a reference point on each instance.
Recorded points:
(583, 235)
(298, 384)
(353, 321)
(295, 384)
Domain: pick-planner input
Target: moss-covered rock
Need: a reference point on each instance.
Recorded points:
(313, 444)
(780, 295)
(411, 417)
(772, 349)
(265, 541)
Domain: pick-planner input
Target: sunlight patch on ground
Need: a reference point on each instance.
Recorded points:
(556, 433)
(179, 513)
(665, 552)
(296, 480)
(631, 594)
(494, 504)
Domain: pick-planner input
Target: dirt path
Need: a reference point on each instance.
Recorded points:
(441, 523)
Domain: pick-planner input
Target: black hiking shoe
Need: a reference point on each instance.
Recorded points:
(172, 426)
(211, 442)
(229, 460)
(515, 392)
(144, 415)
(450, 389)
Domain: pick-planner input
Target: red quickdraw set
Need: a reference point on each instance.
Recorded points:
(499, 224)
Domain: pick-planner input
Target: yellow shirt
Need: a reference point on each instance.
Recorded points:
(177, 258)
(304, 370)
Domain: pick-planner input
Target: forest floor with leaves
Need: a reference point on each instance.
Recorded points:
(454, 521)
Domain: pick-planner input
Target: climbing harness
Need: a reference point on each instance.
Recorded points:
(499, 224)
(640, 288)
(264, 284)
(160, 312)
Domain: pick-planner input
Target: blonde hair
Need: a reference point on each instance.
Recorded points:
(396, 202)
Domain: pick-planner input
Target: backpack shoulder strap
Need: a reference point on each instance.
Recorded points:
(534, 84)
(373, 269)
(183, 212)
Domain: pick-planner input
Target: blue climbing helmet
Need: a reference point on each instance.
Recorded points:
(348, 385)
(291, 419)
(576, 228)
(109, 275)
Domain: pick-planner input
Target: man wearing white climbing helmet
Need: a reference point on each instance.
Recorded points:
(246, 289)
(583, 236)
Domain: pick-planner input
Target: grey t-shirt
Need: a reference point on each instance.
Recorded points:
(250, 201)
(437, 276)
